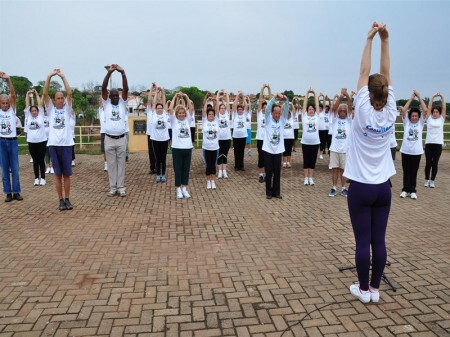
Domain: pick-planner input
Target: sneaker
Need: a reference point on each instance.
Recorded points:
(68, 204)
(374, 295)
(208, 185)
(73, 163)
(219, 175)
(163, 179)
(158, 179)
(52, 171)
(261, 178)
(225, 175)
(122, 194)
(36, 182)
(42, 182)
(249, 152)
(426, 183)
(284, 165)
(332, 193)
(17, 196)
(311, 181)
(179, 193)
(213, 185)
(105, 168)
(413, 195)
(403, 194)
(31, 160)
(321, 157)
(185, 193)
(47, 171)
(8, 197)
(306, 182)
(112, 193)
(288, 165)
(432, 184)
(363, 296)
(269, 196)
(62, 205)
(344, 192)
(278, 196)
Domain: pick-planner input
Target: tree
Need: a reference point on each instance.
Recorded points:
(195, 94)
(21, 85)
(289, 93)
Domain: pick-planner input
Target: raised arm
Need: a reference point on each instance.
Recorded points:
(422, 104)
(406, 107)
(261, 98)
(163, 96)
(316, 100)
(45, 95)
(430, 103)
(385, 61)
(285, 106)
(172, 104)
(27, 99)
(444, 106)
(38, 98)
(205, 108)
(124, 81)
(12, 93)
(305, 101)
(105, 82)
(67, 87)
(364, 70)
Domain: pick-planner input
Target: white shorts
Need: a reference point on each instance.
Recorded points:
(337, 160)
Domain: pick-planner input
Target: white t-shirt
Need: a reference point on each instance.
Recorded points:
(115, 117)
(181, 132)
(224, 126)
(248, 120)
(8, 123)
(35, 126)
(412, 136)
(261, 125)
(158, 126)
(61, 133)
(324, 120)
(369, 159)
(295, 120)
(210, 134)
(340, 129)
(435, 130)
(101, 118)
(288, 131)
(46, 126)
(192, 123)
(273, 136)
(310, 134)
(239, 128)
(393, 142)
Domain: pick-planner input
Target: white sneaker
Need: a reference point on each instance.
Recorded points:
(219, 175)
(321, 157)
(363, 296)
(403, 194)
(36, 182)
(208, 185)
(31, 160)
(47, 171)
(185, 193)
(288, 165)
(426, 183)
(432, 184)
(73, 163)
(374, 295)
(213, 185)
(225, 175)
(413, 195)
(306, 182)
(311, 181)
(105, 168)
(42, 182)
(179, 193)
(52, 171)
(284, 165)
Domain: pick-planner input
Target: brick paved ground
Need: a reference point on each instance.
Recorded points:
(224, 263)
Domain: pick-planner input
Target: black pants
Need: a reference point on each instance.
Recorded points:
(288, 145)
(432, 154)
(151, 155)
(393, 152)
(37, 152)
(160, 154)
(239, 150)
(309, 156)
(181, 165)
(259, 145)
(193, 134)
(325, 140)
(73, 152)
(410, 165)
(224, 147)
(272, 167)
(210, 160)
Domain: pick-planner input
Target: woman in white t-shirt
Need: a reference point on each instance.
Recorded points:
(260, 129)
(36, 135)
(224, 134)
(239, 117)
(369, 166)
(324, 126)
(310, 136)
(412, 148)
(288, 135)
(180, 118)
(434, 139)
(210, 143)
(296, 119)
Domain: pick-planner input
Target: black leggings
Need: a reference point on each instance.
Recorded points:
(325, 140)
(37, 152)
(210, 159)
(410, 165)
(432, 154)
(272, 168)
(160, 153)
(223, 151)
(239, 150)
(309, 156)
(151, 155)
(259, 145)
(288, 145)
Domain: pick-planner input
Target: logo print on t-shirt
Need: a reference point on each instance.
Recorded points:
(311, 126)
(160, 124)
(288, 125)
(275, 137)
(115, 113)
(223, 124)
(59, 120)
(211, 134)
(183, 130)
(413, 134)
(5, 128)
(34, 125)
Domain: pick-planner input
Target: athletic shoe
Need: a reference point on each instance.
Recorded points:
(284, 165)
(427, 183)
(42, 182)
(105, 168)
(332, 193)
(403, 194)
(36, 182)
(8, 197)
(225, 175)
(47, 170)
(363, 296)
(213, 184)
(261, 178)
(288, 165)
(219, 175)
(344, 192)
(112, 193)
(321, 157)
(163, 179)
(185, 193)
(31, 160)
(413, 195)
(17, 196)
(208, 185)
(179, 193)
(278, 196)
(311, 181)
(268, 196)
(62, 205)
(122, 194)
(73, 163)
(158, 179)
(306, 182)
(374, 295)
(52, 171)
(249, 152)
(68, 204)
(432, 184)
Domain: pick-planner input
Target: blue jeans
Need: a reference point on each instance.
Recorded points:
(9, 159)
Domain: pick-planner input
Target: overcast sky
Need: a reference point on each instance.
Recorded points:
(227, 44)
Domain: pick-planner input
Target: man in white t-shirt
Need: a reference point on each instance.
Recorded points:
(115, 124)
(9, 148)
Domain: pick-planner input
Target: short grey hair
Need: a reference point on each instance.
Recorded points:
(4, 96)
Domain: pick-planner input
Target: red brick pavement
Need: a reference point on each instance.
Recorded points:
(227, 262)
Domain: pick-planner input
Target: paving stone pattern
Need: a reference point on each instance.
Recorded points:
(227, 262)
